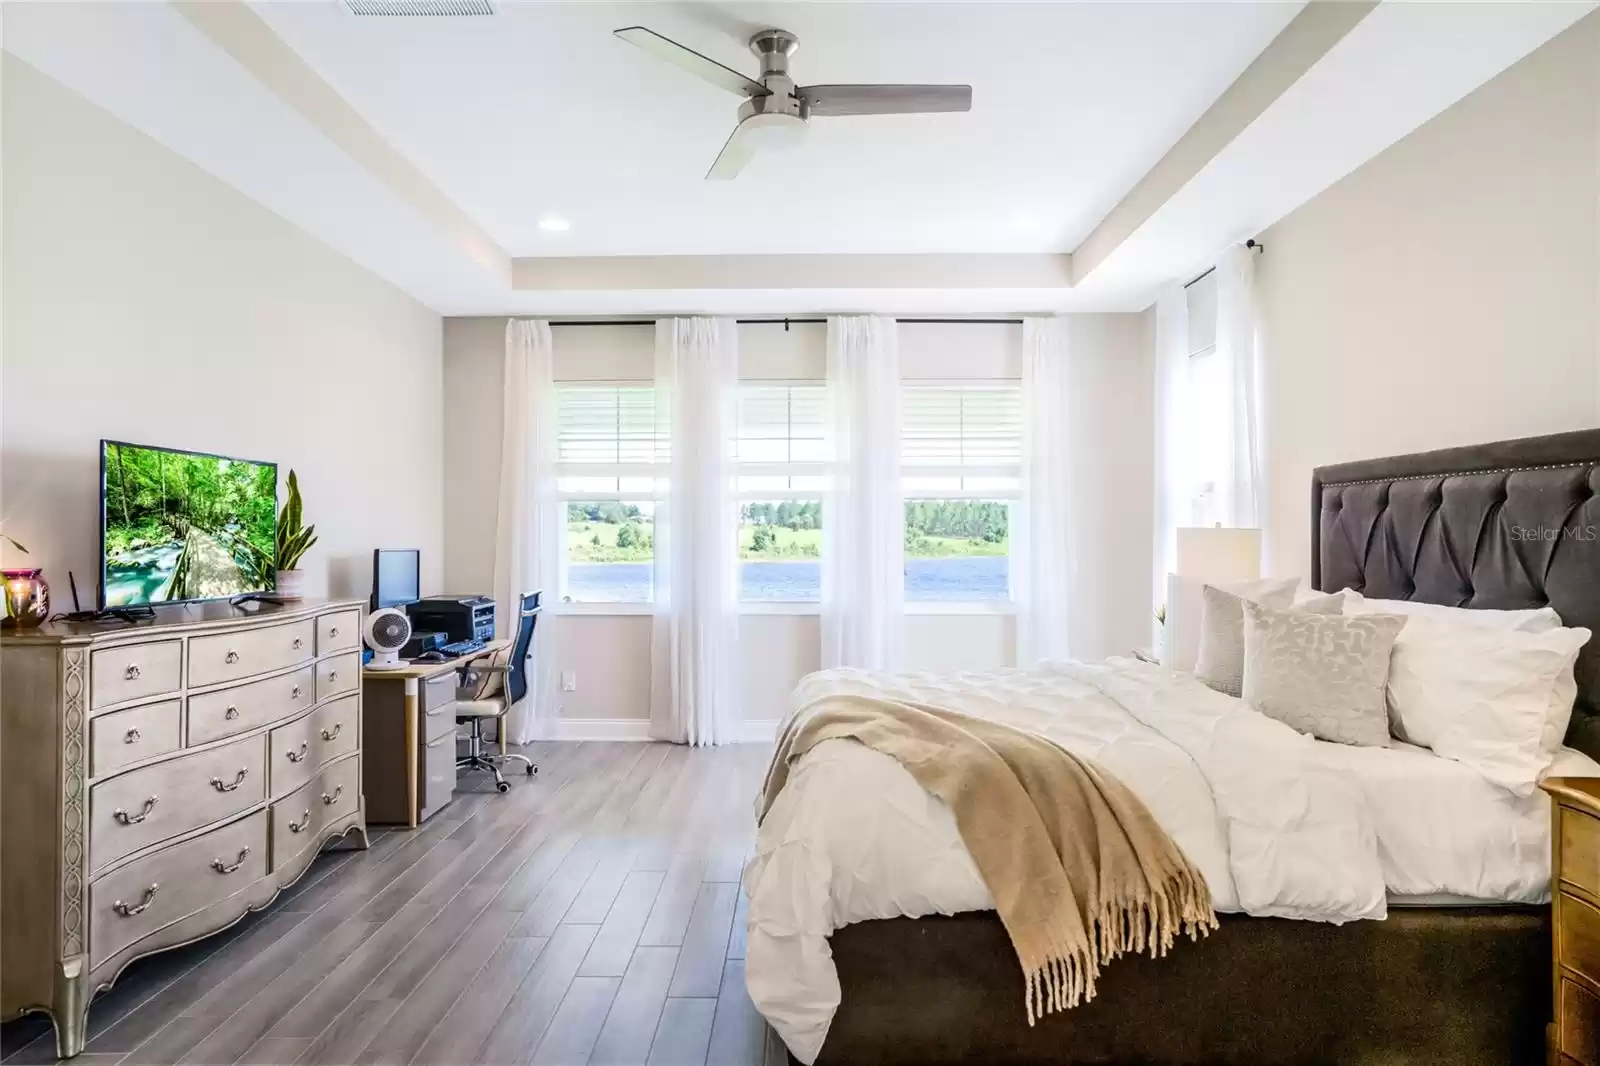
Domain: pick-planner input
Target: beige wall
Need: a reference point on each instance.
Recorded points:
(610, 654)
(1446, 293)
(147, 301)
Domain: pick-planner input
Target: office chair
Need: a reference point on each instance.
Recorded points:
(495, 684)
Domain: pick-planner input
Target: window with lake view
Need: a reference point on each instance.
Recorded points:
(611, 451)
(782, 453)
(961, 455)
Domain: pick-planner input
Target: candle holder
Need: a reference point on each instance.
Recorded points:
(27, 598)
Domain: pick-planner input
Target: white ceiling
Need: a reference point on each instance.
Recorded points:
(540, 111)
(1142, 136)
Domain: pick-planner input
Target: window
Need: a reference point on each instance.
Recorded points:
(781, 451)
(611, 451)
(961, 455)
(1205, 408)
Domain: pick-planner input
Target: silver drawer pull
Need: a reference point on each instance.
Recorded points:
(333, 675)
(131, 737)
(228, 868)
(333, 631)
(129, 910)
(300, 826)
(332, 734)
(231, 658)
(298, 756)
(297, 643)
(294, 693)
(131, 673)
(231, 713)
(222, 786)
(125, 818)
(329, 801)
(437, 711)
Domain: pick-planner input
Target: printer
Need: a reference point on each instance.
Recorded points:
(457, 617)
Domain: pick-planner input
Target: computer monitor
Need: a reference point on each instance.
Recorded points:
(396, 577)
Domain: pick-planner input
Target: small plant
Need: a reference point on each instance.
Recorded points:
(293, 539)
(1161, 614)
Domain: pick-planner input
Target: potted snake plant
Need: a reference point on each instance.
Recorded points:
(293, 541)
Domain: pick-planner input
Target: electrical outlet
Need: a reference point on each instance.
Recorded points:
(569, 681)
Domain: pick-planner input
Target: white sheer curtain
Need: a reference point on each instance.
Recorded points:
(1240, 491)
(863, 516)
(531, 522)
(695, 641)
(1045, 561)
(1172, 502)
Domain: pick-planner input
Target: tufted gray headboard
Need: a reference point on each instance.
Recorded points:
(1508, 525)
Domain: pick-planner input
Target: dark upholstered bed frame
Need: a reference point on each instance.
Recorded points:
(1507, 525)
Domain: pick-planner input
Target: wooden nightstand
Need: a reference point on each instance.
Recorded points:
(1575, 914)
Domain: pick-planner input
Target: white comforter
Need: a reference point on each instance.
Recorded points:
(1276, 821)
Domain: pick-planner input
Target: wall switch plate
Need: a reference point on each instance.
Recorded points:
(569, 681)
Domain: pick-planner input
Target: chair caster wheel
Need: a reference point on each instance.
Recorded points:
(532, 770)
(503, 786)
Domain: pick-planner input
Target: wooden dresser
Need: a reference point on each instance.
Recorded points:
(160, 779)
(1575, 898)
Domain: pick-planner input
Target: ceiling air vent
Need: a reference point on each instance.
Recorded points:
(418, 8)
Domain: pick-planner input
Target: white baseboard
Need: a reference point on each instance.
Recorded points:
(637, 730)
(616, 729)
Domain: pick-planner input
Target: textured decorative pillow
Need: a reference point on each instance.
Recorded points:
(1320, 674)
(1531, 620)
(1220, 662)
(1495, 700)
(1180, 638)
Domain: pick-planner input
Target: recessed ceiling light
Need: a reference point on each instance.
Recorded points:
(554, 225)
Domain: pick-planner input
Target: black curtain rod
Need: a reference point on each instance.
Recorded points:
(1254, 246)
(789, 322)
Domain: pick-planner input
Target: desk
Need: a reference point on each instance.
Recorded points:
(409, 733)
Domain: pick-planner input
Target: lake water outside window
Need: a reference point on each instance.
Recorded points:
(780, 551)
(958, 550)
(610, 551)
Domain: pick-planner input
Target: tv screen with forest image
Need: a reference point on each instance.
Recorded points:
(184, 525)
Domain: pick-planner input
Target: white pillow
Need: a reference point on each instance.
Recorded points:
(1180, 636)
(1532, 620)
(1490, 699)
(1220, 662)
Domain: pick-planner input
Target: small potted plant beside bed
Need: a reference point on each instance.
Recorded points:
(294, 540)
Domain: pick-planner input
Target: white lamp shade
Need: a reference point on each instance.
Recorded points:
(1216, 555)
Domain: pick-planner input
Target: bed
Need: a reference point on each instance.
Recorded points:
(1446, 978)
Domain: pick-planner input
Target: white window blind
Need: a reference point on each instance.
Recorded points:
(610, 425)
(781, 441)
(962, 437)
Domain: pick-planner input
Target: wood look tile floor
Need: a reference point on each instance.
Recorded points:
(593, 914)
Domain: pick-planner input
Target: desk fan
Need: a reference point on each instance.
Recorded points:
(386, 632)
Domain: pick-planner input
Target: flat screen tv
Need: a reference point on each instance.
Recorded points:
(177, 526)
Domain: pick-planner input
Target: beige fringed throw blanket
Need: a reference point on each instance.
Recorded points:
(1079, 870)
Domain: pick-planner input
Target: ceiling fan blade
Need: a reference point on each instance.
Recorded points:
(700, 66)
(739, 150)
(883, 99)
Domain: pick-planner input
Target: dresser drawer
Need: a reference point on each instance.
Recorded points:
(134, 670)
(336, 632)
(1579, 937)
(144, 806)
(298, 819)
(341, 674)
(214, 715)
(133, 735)
(173, 883)
(1580, 850)
(302, 747)
(248, 652)
(1578, 1023)
(438, 774)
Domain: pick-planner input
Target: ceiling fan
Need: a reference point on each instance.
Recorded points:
(775, 111)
